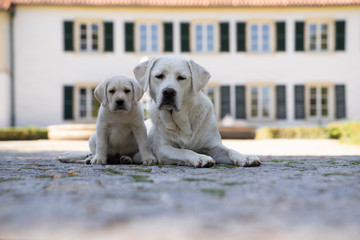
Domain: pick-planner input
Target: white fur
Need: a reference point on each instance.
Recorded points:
(185, 132)
(120, 130)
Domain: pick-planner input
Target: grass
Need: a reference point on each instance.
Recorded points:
(224, 166)
(111, 171)
(214, 191)
(233, 183)
(355, 163)
(44, 176)
(278, 160)
(337, 174)
(198, 179)
(9, 179)
(146, 170)
(141, 178)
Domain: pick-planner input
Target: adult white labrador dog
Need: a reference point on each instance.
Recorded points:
(120, 135)
(184, 128)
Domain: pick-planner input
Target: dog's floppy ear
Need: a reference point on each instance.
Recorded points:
(100, 92)
(138, 92)
(142, 72)
(200, 76)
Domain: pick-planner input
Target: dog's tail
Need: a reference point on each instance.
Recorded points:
(73, 157)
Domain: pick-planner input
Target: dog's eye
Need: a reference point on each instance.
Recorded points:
(160, 76)
(180, 78)
(127, 90)
(112, 91)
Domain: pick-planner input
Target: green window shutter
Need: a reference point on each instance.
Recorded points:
(241, 36)
(299, 102)
(225, 100)
(340, 108)
(129, 37)
(340, 34)
(185, 37)
(299, 36)
(168, 37)
(68, 36)
(224, 37)
(281, 102)
(68, 102)
(108, 37)
(280, 36)
(240, 102)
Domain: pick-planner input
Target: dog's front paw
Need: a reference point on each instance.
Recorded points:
(98, 160)
(202, 161)
(126, 160)
(149, 160)
(244, 160)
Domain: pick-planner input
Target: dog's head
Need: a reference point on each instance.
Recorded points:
(118, 93)
(172, 81)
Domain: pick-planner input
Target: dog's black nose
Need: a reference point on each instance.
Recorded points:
(119, 102)
(169, 92)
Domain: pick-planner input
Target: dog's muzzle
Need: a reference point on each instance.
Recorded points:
(120, 104)
(168, 99)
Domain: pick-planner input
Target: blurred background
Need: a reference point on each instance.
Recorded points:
(274, 64)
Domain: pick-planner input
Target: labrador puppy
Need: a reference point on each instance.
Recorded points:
(184, 128)
(120, 129)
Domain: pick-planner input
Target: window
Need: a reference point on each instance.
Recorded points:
(318, 102)
(318, 37)
(86, 105)
(89, 36)
(204, 37)
(261, 102)
(261, 37)
(149, 37)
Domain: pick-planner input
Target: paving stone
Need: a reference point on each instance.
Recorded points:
(288, 197)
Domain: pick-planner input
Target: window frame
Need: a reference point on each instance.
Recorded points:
(160, 36)
(205, 45)
(89, 99)
(330, 101)
(77, 35)
(272, 102)
(271, 32)
(330, 23)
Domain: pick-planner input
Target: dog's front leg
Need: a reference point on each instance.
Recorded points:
(141, 138)
(224, 155)
(170, 155)
(102, 136)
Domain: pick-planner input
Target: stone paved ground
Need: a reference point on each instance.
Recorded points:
(303, 190)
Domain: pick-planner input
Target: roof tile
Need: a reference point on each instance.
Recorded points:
(4, 4)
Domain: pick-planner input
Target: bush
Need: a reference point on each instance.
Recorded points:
(347, 132)
(30, 133)
(350, 132)
(291, 132)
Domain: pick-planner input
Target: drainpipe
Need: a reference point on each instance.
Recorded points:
(12, 67)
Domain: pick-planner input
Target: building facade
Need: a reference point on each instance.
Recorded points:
(279, 63)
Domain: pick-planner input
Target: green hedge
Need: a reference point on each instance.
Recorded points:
(348, 132)
(29, 133)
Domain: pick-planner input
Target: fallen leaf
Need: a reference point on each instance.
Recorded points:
(72, 174)
(35, 164)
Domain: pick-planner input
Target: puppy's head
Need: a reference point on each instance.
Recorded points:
(173, 81)
(118, 93)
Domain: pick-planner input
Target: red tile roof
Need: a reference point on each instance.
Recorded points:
(184, 3)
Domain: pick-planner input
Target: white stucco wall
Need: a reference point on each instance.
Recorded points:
(43, 68)
(4, 70)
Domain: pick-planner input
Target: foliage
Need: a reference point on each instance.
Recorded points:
(347, 132)
(28, 133)
(291, 132)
